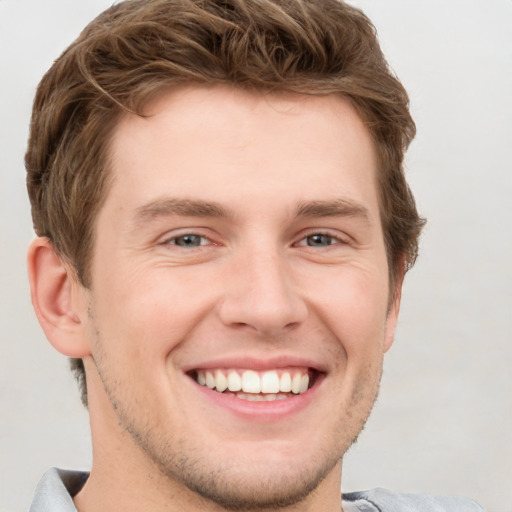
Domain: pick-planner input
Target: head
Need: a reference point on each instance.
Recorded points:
(139, 51)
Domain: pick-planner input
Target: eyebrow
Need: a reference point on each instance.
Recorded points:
(184, 207)
(199, 208)
(333, 208)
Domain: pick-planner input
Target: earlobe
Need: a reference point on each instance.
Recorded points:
(392, 320)
(57, 299)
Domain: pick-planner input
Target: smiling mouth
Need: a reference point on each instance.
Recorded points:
(257, 386)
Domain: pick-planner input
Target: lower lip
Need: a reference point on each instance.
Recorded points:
(260, 410)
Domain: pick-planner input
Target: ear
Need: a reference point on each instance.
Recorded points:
(59, 300)
(394, 306)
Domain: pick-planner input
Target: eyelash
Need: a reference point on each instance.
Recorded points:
(331, 239)
(173, 240)
(303, 242)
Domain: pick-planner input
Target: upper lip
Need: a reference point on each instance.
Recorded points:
(258, 363)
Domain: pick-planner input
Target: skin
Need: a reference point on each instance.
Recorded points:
(280, 194)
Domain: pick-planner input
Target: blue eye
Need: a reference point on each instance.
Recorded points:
(189, 240)
(319, 240)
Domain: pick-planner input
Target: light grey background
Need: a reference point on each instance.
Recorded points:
(443, 423)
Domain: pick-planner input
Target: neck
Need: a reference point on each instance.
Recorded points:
(110, 488)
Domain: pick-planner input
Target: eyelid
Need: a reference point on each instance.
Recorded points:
(341, 238)
(173, 240)
(168, 238)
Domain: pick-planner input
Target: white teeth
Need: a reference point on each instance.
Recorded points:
(295, 383)
(260, 386)
(210, 380)
(221, 383)
(270, 382)
(304, 383)
(285, 383)
(255, 397)
(234, 381)
(251, 382)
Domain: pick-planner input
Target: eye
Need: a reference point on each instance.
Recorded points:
(319, 240)
(188, 240)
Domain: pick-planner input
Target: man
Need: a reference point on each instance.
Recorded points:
(223, 231)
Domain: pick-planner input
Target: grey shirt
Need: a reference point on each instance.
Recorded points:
(55, 490)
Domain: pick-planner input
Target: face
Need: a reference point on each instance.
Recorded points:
(238, 313)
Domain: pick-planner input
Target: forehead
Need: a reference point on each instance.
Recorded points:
(228, 145)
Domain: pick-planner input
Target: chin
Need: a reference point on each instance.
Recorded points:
(245, 486)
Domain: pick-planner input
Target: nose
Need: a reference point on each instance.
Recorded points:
(261, 295)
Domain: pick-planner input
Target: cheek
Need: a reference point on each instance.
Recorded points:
(353, 306)
(149, 313)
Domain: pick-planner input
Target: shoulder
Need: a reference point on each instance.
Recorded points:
(383, 500)
(55, 490)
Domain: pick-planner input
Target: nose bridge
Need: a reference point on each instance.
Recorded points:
(262, 294)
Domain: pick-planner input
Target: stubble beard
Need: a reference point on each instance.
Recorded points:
(236, 487)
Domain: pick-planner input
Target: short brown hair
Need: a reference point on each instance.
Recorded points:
(137, 48)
